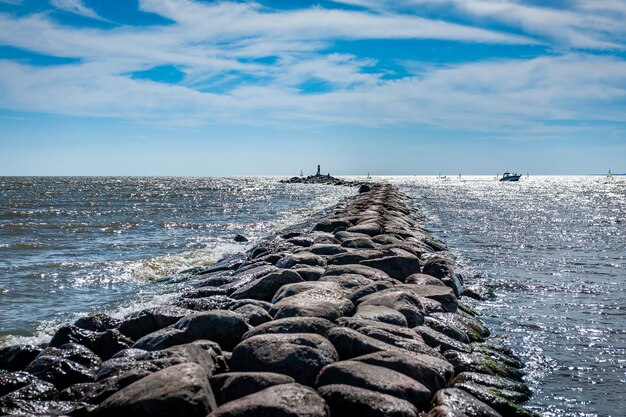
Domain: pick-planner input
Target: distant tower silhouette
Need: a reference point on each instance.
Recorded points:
(318, 170)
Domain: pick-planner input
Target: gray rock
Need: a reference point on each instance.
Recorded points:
(381, 314)
(253, 314)
(370, 229)
(375, 378)
(444, 411)
(499, 400)
(430, 371)
(368, 289)
(24, 386)
(358, 243)
(104, 344)
(354, 257)
(473, 327)
(423, 279)
(299, 355)
(481, 363)
(366, 271)
(59, 371)
(327, 249)
(439, 340)
(265, 287)
(497, 382)
(325, 290)
(98, 322)
(398, 267)
(285, 400)
(211, 302)
(303, 258)
(150, 320)
(221, 326)
(348, 282)
(233, 385)
(43, 408)
(401, 301)
(350, 343)
(460, 401)
(180, 390)
(448, 329)
(309, 273)
(438, 267)
(293, 325)
(346, 400)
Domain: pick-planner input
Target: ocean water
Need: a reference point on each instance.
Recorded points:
(552, 249)
(71, 246)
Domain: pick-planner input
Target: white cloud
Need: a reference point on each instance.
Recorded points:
(76, 7)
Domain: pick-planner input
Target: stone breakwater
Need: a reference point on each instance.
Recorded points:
(358, 313)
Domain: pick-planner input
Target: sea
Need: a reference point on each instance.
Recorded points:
(551, 248)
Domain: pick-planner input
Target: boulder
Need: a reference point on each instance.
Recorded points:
(444, 411)
(496, 382)
(104, 344)
(347, 282)
(364, 188)
(423, 279)
(375, 378)
(29, 408)
(499, 400)
(366, 271)
(315, 325)
(210, 302)
(371, 288)
(358, 243)
(233, 385)
(284, 400)
(370, 229)
(17, 357)
(346, 400)
(59, 371)
(150, 320)
(330, 225)
(354, 257)
(448, 329)
(430, 371)
(253, 314)
(24, 386)
(74, 352)
(401, 301)
(265, 287)
(350, 343)
(322, 289)
(309, 273)
(180, 390)
(301, 258)
(327, 249)
(381, 314)
(98, 322)
(438, 267)
(481, 363)
(442, 294)
(473, 327)
(398, 267)
(439, 340)
(460, 401)
(299, 355)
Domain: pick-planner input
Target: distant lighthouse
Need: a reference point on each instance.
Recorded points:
(318, 170)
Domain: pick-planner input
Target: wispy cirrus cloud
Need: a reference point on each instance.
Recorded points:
(76, 7)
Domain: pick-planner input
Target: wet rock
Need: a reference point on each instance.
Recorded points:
(17, 357)
(59, 371)
(496, 382)
(253, 315)
(180, 390)
(475, 330)
(265, 287)
(444, 411)
(398, 267)
(343, 236)
(375, 378)
(150, 320)
(348, 282)
(442, 294)
(460, 401)
(346, 400)
(476, 362)
(43, 408)
(439, 340)
(315, 325)
(203, 292)
(350, 343)
(299, 355)
(240, 238)
(233, 385)
(478, 292)
(96, 392)
(423, 279)
(22, 385)
(322, 299)
(302, 258)
(387, 239)
(98, 322)
(499, 400)
(325, 290)
(380, 313)
(104, 344)
(507, 358)
(366, 271)
(371, 288)
(370, 229)
(364, 188)
(153, 361)
(448, 329)
(430, 371)
(211, 302)
(330, 225)
(411, 343)
(74, 352)
(410, 307)
(285, 400)
(354, 257)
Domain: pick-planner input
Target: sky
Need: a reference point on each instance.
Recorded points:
(389, 87)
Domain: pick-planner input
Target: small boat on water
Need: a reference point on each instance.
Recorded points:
(507, 176)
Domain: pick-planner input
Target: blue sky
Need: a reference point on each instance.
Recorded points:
(191, 87)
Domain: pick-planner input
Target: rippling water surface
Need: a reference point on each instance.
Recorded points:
(69, 246)
(554, 250)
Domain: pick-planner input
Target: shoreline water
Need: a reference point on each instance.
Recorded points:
(382, 244)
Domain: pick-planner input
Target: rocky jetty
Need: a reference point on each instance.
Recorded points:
(357, 313)
(328, 179)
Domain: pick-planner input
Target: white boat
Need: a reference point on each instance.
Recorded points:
(507, 176)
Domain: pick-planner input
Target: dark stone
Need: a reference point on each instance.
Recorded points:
(330, 225)
(444, 411)
(438, 267)
(364, 188)
(150, 320)
(305, 305)
(203, 292)
(24, 386)
(59, 371)
(499, 400)
(212, 302)
(398, 267)
(348, 282)
(325, 290)
(309, 273)
(366, 271)
(411, 343)
(17, 357)
(354, 257)
(449, 329)
(265, 287)
(346, 400)
(358, 243)
(434, 338)
(477, 362)
(368, 289)
(473, 327)
(104, 344)
(233, 385)
(253, 314)
(326, 249)
(442, 294)
(375, 378)
(343, 236)
(302, 258)
(423, 279)
(350, 343)
(180, 390)
(285, 400)
(430, 371)
(98, 322)
(400, 301)
(460, 401)
(44, 408)
(496, 382)
(240, 238)
(380, 313)
(370, 229)
(74, 352)
(299, 355)
(478, 292)
(293, 325)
